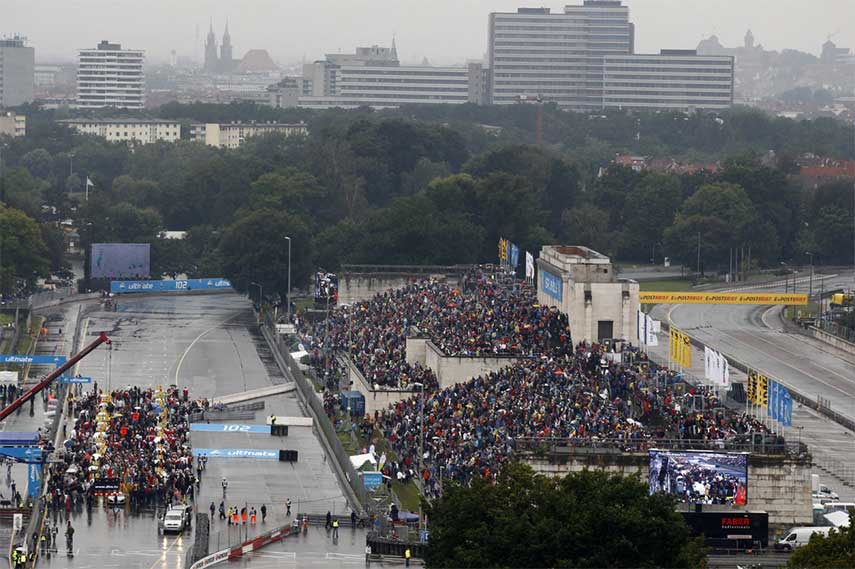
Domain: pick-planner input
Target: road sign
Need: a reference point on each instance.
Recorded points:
(209, 428)
(84, 379)
(237, 453)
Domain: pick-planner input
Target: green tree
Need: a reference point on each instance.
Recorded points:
(253, 249)
(648, 210)
(39, 162)
(586, 519)
(835, 551)
(586, 225)
(721, 214)
(23, 191)
(25, 255)
(293, 189)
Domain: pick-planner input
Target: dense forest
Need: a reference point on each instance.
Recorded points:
(427, 184)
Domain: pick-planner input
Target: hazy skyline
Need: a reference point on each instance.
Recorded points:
(444, 31)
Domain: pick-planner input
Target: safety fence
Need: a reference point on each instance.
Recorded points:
(837, 329)
(342, 458)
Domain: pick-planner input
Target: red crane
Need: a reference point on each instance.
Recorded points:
(53, 375)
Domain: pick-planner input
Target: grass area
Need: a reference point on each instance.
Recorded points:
(792, 312)
(6, 318)
(407, 493)
(303, 303)
(26, 342)
(667, 285)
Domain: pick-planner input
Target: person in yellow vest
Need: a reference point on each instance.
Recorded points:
(407, 556)
(229, 516)
(335, 528)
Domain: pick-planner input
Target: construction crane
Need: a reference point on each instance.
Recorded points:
(14, 405)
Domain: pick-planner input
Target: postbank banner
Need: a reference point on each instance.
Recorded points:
(771, 298)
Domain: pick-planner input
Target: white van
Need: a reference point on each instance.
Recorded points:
(798, 537)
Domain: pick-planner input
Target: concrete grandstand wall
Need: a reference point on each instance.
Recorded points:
(777, 484)
(450, 370)
(361, 282)
(375, 399)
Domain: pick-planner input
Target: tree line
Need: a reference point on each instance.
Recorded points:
(430, 185)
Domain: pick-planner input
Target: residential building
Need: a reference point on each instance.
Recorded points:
(673, 79)
(109, 76)
(13, 124)
(52, 80)
(232, 135)
(134, 131)
(17, 72)
(556, 55)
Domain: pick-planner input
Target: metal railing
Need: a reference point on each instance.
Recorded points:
(766, 444)
(352, 478)
(836, 329)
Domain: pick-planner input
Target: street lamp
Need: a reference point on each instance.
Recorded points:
(810, 289)
(260, 293)
(288, 294)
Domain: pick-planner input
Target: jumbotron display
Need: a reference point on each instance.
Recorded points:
(700, 477)
(120, 260)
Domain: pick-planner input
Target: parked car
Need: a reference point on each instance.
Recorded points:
(177, 519)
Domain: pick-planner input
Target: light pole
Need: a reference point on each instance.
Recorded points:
(288, 294)
(260, 293)
(810, 289)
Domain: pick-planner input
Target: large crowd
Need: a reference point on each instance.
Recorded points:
(486, 315)
(137, 437)
(556, 390)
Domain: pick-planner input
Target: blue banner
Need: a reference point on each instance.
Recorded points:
(236, 453)
(35, 360)
(372, 480)
(772, 401)
(786, 408)
(515, 256)
(215, 283)
(209, 428)
(551, 285)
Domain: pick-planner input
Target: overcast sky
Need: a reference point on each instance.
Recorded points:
(444, 31)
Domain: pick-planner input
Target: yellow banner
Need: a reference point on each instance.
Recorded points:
(679, 348)
(503, 249)
(757, 389)
(650, 297)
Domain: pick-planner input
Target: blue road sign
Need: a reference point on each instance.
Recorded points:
(209, 428)
(84, 379)
(24, 359)
(236, 453)
(215, 283)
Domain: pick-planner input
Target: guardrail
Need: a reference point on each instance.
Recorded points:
(766, 445)
(304, 386)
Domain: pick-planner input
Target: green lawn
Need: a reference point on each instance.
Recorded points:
(666, 285)
(6, 318)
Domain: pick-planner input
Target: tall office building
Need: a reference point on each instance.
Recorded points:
(559, 56)
(109, 76)
(17, 72)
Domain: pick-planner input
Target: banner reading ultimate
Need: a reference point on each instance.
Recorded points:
(215, 283)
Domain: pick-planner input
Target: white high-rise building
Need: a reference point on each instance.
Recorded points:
(109, 76)
(559, 56)
(17, 72)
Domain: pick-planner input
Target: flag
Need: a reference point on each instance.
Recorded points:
(772, 407)
(751, 387)
(640, 323)
(787, 408)
(503, 249)
(529, 265)
(685, 350)
(89, 183)
(515, 255)
(725, 376)
(762, 393)
(650, 331)
(708, 363)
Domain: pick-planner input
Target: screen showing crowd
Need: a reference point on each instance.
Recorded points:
(699, 477)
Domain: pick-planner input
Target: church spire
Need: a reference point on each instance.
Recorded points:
(394, 48)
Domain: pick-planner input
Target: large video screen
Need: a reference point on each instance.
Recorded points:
(700, 477)
(120, 260)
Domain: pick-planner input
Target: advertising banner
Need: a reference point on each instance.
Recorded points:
(503, 250)
(372, 480)
(184, 285)
(515, 256)
(772, 298)
(551, 285)
(120, 260)
(529, 266)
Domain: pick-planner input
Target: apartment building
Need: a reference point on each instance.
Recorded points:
(109, 76)
(134, 131)
(13, 124)
(232, 135)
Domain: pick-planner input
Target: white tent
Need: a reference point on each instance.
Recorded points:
(358, 460)
(838, 519)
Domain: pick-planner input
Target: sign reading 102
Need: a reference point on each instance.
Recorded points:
(236, 428)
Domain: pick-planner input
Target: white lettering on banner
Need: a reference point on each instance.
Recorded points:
(181, 284)
(211, 559)
(236, 428)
